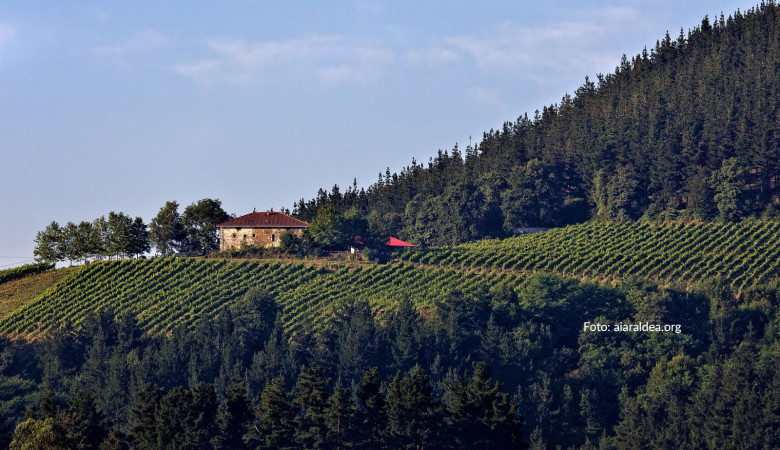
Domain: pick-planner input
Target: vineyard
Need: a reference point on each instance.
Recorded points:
(166, 293)
(743, 254)
(16, 293)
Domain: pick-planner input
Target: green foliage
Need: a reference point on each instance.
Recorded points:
(462, 213)
(86, 426)
(144, 428)
(166, 230)
(34, 434)
(289, 243)
(699, 200)
(371, 418)
(532, 197)
(47, 244)
(276, 417)
(714, 384)
(615, 197)
(200, 220)
(340, 419)
(22, 271)
(481, 415)
(329, 229)
(235, 418)
(119, 236)
(414, 417)
(182, 419)
(730, 186)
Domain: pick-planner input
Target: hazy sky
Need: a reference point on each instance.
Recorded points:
(259, 103)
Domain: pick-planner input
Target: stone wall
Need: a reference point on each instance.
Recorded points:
(253, 237)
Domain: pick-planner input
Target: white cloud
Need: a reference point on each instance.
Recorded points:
(363, 65)
(433, 56)
(142, 41)
(235, 60)
(330, 59)
(198, 69)
(544, 53)
(7, 34)
(540, 53)
(483, 95)
(99, 15)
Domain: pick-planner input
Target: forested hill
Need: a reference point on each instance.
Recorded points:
(687, 128)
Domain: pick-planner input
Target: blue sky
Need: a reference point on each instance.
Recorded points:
(107, 106)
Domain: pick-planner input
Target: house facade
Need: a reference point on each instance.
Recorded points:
(258, 229)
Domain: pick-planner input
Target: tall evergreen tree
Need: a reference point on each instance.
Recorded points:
(371, 415)
(340, 419)
(480, 415)
(235, 418)
(311, 400)
(414, 418)
(276, 417)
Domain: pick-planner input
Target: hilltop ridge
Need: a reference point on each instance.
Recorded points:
(689, 128)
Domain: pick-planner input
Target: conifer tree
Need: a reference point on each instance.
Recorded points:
(340, 419)
(413, 416)
(371, 416)
(235, 417)
(311, 400)
(87, 426)
(480, 415)
(143, 432)
(276, 418)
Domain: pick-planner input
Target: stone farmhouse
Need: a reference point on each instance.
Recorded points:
(258, 229)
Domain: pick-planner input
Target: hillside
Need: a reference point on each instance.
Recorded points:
(16, 293)
(166, 293)
(711, 362)
(688, 128)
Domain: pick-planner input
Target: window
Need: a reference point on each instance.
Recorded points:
(253, 235)
(234, 235)
(273, 237)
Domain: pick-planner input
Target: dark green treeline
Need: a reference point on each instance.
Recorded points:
(493, 369)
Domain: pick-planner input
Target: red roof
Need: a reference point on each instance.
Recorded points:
(265, 219)
(393, 242)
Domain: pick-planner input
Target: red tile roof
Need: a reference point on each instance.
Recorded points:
(265, 219)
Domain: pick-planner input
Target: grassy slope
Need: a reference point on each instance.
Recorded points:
(15, 294)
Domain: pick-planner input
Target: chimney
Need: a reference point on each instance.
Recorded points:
(254, 210)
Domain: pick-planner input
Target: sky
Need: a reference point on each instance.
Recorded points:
(122, 106)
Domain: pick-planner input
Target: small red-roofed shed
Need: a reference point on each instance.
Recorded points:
(393, 242)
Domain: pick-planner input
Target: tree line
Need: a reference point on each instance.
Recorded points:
(120, 236)
(404, 413)
(689, 128)
(193, 232)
